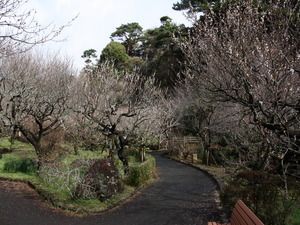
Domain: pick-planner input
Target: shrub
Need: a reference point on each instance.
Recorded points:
(61, 177)
(176, 148)
(153, 144)
(141, 173)
(264, 193)
(131, 151)
(21, 165)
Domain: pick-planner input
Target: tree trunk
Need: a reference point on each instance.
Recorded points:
(121, 153)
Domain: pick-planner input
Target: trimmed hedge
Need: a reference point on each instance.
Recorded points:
(141, 173)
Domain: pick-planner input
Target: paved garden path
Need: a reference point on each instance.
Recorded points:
(182, 195)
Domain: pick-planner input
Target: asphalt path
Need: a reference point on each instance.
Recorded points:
(182, 195)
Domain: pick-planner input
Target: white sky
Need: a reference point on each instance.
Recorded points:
(97, 20)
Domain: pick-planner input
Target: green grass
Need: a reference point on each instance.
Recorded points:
(20, 165)
(5, 143)
(94, 205)
(19, 151)
(83, 155)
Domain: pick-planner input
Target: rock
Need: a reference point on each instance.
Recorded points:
(102, 180)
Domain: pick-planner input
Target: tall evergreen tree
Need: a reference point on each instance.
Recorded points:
(88, 55)
(129, 35)
(114, 51)
(161, 54)
(197, 5)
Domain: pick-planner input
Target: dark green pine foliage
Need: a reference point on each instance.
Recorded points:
(197, 5)
(114, 52)
(88, 55)
(160, 52)
(129, 34)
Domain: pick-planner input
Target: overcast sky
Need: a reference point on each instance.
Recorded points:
(97, 19)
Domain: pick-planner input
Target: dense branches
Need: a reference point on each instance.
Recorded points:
(117, 105)
(195, 5)
(19, 31)
(129, 35)
(250, 57)
(35, 92)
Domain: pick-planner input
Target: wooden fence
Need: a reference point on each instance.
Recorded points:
(187, 142)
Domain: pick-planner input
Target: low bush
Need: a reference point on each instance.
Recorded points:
(264, 193)
(21, 165)
(153, 144)
(141, 173)
(60, 179)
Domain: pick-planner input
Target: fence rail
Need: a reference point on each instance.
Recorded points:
(180, 141)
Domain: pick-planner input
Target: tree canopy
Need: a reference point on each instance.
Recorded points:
(20, 31)
(88, 55)
(114, 51)
(129, 34)
(161, 53)
(197, 5)
(152, 51)
(248, 55)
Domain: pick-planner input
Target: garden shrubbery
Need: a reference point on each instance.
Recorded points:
(268, 196)
(20, 165)
(141, 173)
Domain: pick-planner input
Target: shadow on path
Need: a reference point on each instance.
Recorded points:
(182, 195)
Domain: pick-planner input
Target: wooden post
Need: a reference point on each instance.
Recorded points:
(180, 155)
(194, 158)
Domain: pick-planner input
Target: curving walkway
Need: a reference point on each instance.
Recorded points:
(182, 195)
